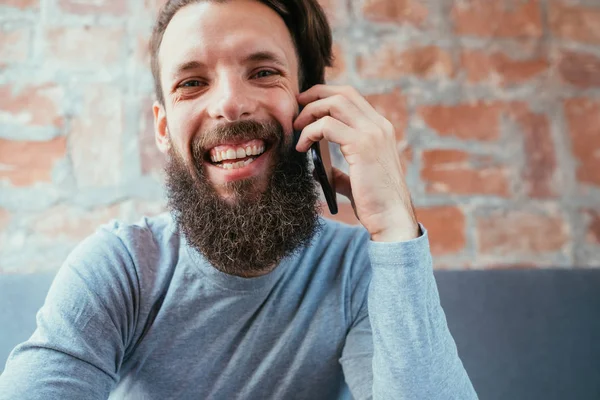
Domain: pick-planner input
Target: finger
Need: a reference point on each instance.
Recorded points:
(326, 128)
(318, 92)
(338, 107)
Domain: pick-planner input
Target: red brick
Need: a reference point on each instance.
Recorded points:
(540, 156)
(22, 4)
(338, 71)
(592, 226)
(345, 213)
(14, 45)
(336, 11)
(400, 11)
(389, 62)
(152, 160)
(392, 105)
(573, 22)
(85, 46)
(95, 139)
(24, 163)
(583, 119)
(579, 69)
(513, 265)
(521, 232)
(113, 7)
(458, 172)
(505, 19)
(475, 121)
(33, 105)
(73, 223)
(501, 69)
(446, 228)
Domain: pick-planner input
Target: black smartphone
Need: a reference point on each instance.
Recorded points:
(324, 170)
(321, 158)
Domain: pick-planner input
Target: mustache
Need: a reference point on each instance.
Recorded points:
(268, 131)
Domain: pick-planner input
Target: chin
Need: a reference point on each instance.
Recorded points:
(240, 190)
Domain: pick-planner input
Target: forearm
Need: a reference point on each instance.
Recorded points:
(414, 354)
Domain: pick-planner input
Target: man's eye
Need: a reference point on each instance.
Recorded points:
(265, 73)
(191, 83)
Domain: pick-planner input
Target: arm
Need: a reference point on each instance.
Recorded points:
(414, 354)
(82, 328)
(399, 345)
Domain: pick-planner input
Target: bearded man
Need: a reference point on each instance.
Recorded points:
(242, 291)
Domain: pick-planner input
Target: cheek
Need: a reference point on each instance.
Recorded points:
(285, 111)
(182, 126)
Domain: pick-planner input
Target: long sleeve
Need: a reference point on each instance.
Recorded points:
(82, 328)
(411, 354)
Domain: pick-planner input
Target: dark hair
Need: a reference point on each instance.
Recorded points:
(304, 19)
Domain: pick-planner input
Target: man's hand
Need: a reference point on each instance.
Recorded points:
(376, 184)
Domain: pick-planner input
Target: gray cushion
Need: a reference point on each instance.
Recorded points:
(21, 296)
(526, 334)
(522, 334)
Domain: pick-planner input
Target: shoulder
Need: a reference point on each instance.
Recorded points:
(106, 282)
(131, 255)
(139, 241)
(144, 239)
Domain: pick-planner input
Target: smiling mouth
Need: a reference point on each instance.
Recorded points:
(235, 156)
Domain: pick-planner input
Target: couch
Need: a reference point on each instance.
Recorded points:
(522, 334)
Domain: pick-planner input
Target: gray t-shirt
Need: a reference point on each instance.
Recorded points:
(136, 313)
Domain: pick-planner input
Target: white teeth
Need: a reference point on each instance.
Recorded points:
(236, 165)
(233, 154)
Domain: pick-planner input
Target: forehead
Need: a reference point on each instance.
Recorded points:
(211, 32)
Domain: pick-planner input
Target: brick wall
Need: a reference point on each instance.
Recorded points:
(496, 106)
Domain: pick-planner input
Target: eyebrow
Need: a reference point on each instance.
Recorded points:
(265, 56)
(186, 66)
(258, 56)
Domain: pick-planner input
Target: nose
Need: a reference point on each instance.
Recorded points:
(231, 99)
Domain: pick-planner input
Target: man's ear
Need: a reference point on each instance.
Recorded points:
(161, 131)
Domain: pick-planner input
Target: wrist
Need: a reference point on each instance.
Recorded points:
(402, 230)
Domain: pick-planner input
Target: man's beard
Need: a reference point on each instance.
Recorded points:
(252, 233)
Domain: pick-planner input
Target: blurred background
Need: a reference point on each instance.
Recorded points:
(496, 105)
